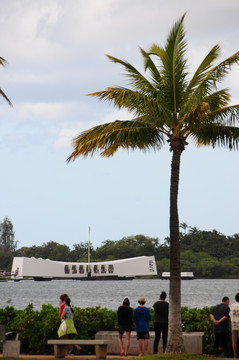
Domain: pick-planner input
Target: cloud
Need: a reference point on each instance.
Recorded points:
(27, 33)
(44, 111)
(65, 135)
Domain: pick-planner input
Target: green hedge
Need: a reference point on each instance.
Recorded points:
(36, 327)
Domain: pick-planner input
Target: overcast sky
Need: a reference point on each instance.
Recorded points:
(56, 55)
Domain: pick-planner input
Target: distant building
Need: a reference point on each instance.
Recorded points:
(45, 269)
(184, 276)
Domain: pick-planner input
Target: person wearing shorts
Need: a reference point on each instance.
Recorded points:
(125, 317)
(220, 316)
(234, 315)
(142, 317)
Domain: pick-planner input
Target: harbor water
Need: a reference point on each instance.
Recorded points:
(195, 293)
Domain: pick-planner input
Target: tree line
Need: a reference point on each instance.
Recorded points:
(209, 254)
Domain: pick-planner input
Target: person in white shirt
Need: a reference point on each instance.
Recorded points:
(234, 314)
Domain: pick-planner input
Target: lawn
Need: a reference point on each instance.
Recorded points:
(149, 357)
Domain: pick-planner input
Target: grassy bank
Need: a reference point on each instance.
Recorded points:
(149, 357)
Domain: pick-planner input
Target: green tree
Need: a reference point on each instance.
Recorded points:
(184, 226)
(55, 251)
(6, 260)
(50, 250)
(168, 105)
(7, 236)
(80, 252)
(163, 265)
(35, 251)
(130, 246)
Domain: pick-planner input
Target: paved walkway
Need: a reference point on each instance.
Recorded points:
(26, 356)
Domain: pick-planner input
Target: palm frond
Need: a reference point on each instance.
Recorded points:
(111, 136)
(217, 135)
(202, 118)
(200, 73)
(5, 97)
(227, 115)
(135, 78)
(165, 104)
(202, 112)
(122, 97)
(137, 102)
(3, 62)
(210, 80)
(173, 64)
(150, 65)
(218, 99)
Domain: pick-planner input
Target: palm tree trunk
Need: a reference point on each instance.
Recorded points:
(175, 335)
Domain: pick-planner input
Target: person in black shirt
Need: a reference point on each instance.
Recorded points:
(161, 321)
(125, 317)
(220, 316)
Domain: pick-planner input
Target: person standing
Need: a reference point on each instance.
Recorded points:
(125, 317)
(142, 316)
(67, 328)
(61, 303)
(220, 316)
(161, 321)
(234, 315)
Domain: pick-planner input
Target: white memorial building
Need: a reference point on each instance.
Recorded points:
(45, 269)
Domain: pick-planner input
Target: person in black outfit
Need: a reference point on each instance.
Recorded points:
(220, 316)
(125, 317)
(161, 321)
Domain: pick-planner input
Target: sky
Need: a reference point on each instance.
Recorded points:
(56, 56)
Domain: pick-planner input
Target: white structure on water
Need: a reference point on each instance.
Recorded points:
(45, 269)
(184, 275)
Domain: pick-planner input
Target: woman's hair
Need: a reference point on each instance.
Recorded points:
(68, 303)
(63, 297)
(126, 302)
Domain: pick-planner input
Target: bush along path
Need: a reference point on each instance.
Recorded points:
(36, 327)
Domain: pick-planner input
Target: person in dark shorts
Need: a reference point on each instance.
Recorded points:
(125, 319)
(220, 316)
(142, 316)
(161, 321)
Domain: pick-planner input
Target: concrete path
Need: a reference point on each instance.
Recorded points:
(22, 356)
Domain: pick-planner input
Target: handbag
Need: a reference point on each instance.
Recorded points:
(63, 326)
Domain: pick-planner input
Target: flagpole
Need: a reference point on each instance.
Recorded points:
(89, 246)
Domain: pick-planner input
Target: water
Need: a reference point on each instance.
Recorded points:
(110, 294)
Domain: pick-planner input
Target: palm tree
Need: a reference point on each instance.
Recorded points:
(184, 226)
(168, 105)
(3, 62)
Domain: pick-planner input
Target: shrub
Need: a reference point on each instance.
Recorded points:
(36, 327)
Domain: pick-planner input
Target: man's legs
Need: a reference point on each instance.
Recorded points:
(165, 335)
(220, 342)
(218, 347)
(157, 330)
